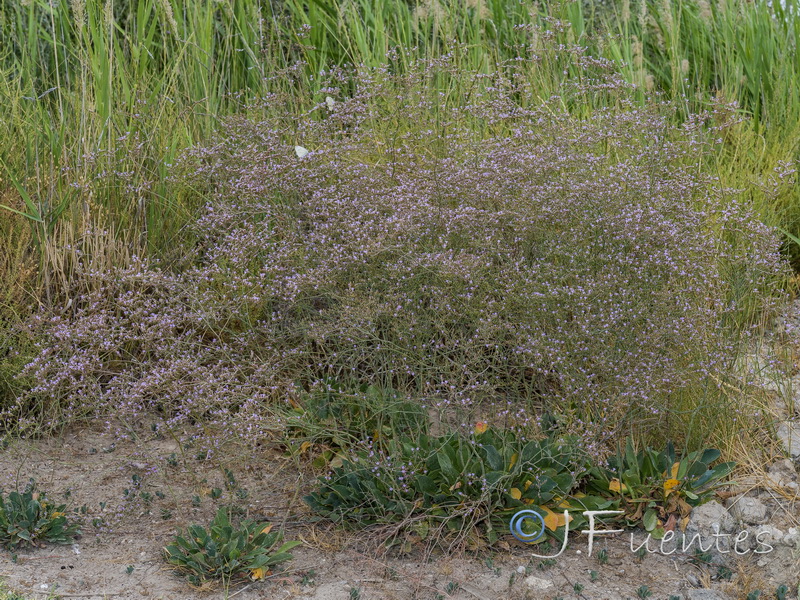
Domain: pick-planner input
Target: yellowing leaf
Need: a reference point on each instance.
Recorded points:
(267, 529)
(304, 446)
(512, 462)
(614, 485)
(675, 469)
(670, 485)
(515, 493)
(258, 573)
(528, 484)
(553, 520)
(481, 427)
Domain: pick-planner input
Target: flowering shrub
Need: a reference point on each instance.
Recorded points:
(480, 252)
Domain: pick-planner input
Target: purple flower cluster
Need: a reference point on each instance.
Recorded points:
(481, 250)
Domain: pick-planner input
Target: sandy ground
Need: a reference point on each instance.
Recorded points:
(119, 554)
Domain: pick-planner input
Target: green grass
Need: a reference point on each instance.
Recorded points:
(102, 95)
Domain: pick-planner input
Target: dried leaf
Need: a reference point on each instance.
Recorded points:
(637, 514)
(684, 507)
(684, 523)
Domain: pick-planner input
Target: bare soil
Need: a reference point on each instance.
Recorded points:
(139, 490)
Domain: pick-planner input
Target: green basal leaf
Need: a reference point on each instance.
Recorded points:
(650, 519)
(696, 470)
(278, 558)
(288, 546)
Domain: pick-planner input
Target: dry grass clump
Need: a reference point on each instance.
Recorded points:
(17, 283)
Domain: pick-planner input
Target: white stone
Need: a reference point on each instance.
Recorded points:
(789, 436)
(747, 510)
(785, 468)
(710, 518)
(773, 534)
(792, 537)
(536, 583)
